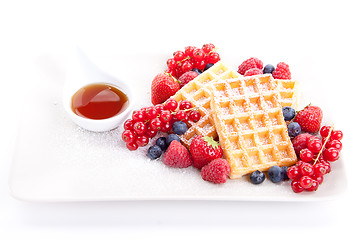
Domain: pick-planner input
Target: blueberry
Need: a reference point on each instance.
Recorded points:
(257, 177)
(154, 152)
(161, 142)
(172, 137)
(198, 71)
(207, 66)
(294, 129)
(275, 174)
(179, 127)
(268, 69)
(289, 113)
(284, 175)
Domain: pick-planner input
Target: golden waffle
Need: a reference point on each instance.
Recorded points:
(250, 124)
(199, 95)
(288, 90)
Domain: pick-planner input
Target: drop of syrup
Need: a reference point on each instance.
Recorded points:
(99, 101)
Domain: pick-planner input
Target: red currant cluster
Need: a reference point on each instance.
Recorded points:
(307, 173)
(147, 122)
(190, 58)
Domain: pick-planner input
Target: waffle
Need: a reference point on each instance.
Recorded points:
(249, 121)
(198, 94)
(288, 90)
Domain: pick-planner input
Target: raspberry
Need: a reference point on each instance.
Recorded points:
(253, 71)
(300, 142)
(216, 171)
(282, 71)
(177, 156)
(187, 77)
(248, 64)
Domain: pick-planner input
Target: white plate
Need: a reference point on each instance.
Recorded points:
(55, 160)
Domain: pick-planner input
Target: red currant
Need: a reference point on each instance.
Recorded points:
(140, 128)
(314, 144)
(128, 136)
(132, 146)
(189, 51)
(171, 63)
(299, 163)
(319, 169)
(150, 113)
(314, 186)
(142, 141)
(319, 179)
(213, 57)
(324, 131)
(180, 115)
(331, 154)
(293, 173)
(335, 144)
(306, 169)
(150, 133)
(296, 186)
(155, 124)
(200, 64)
(128, 124)
(194, 116)
(326, 165)
(208, 47)
(199, 54)
(185, 104)
(179, 55)
(138, 116)
(336, 135)
(170, 104)
(165, 127)
(159, 108)
(186, 66)
(165, 116)
(306, 155)
(306, 182)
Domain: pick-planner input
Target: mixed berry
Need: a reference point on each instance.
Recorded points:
(167, 118)
(316, 146)
(254, 66)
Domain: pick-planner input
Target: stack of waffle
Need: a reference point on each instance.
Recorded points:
(245, 114)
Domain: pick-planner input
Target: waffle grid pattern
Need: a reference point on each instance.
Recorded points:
(248, 118)
(288, 90)
(199, 95)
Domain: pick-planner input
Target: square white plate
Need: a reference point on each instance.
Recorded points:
(55, 160)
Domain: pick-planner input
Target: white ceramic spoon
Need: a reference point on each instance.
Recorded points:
(81, 72)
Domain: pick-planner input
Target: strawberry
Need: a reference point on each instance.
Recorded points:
(203, 150)
(177, 156)
(310, 119)
(216, 171)
(162, 87)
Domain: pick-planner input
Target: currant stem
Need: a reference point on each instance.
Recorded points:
(323, 146)
(187, 110)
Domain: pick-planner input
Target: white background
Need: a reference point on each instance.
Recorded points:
(324, 31)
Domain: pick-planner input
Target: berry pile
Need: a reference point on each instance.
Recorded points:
(192, 58)
(315, 157)
(314, 152)
(254, 66)
(147, 122)
(204, 153)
